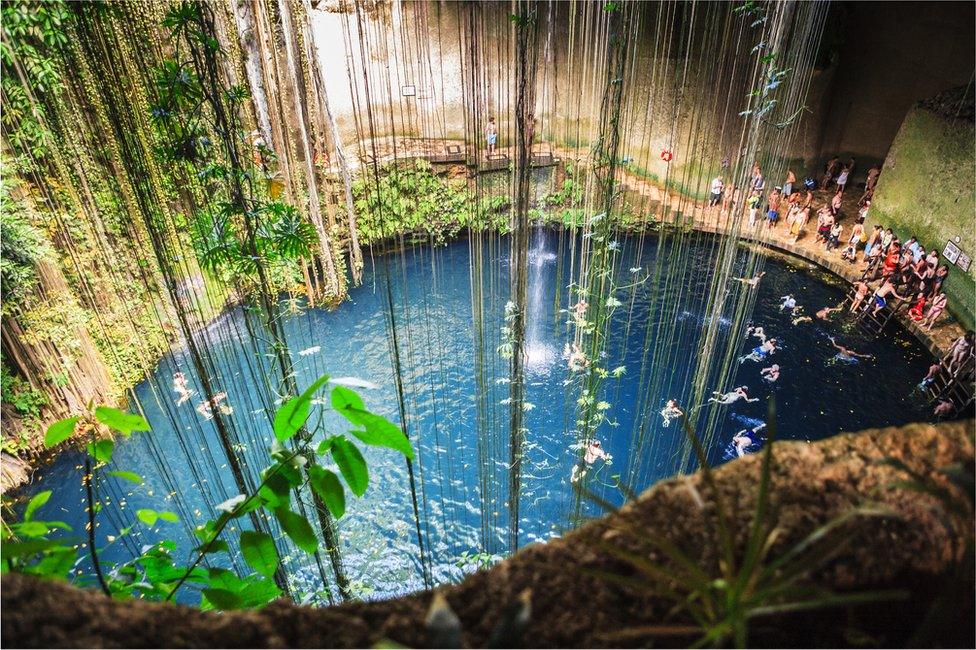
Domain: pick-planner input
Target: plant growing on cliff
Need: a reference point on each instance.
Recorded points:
(155, 573)
(718, 602)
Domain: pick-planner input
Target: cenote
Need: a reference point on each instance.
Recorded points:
(457, 416)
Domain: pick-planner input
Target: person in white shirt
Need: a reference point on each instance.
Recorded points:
(717, 187)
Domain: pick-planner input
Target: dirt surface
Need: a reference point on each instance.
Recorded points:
(572, 605)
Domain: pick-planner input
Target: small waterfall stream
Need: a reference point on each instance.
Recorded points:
(540, 353)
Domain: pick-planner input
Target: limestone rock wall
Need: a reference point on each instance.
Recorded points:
(928, 190)
(572, 605)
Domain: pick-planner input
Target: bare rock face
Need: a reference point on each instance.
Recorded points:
(573, 605)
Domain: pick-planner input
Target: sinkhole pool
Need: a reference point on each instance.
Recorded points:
(458, 419)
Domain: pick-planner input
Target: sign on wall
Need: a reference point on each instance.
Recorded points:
(955, 255)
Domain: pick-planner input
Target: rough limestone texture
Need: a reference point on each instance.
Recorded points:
(812, 483)
(928, 190)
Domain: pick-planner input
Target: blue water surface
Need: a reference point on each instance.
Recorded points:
(457, 417)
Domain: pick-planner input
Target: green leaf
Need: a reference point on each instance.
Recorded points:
(30, 547)
(147, 516)
(327, 485)
(121, 421)
(128, 476)
(171, 517)
(380, 432)
(298, 529)
(216, 546)
(259, 552)
(36, 502)
(101, 451)
(293, 413)
(346, 401)
(223, 599)
(351, 464)
(31, 528)
(276, 491)
(60, 431)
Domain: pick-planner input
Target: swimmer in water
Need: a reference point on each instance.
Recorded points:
(732, 396)
(800, 317)
(789, 302)
(847, 355)
(745, 438)
(770, 374)
(824, 314)
(577, 359)
(767, 348)
(758, 332)
(206, 407)
(594, 452)
(579, 312)
(944, 408)
(752, 282)
(671, 411)
(180, 386)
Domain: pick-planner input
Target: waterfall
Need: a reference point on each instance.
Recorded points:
(539, 352)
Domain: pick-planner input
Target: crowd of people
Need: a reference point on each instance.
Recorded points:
(896, 274)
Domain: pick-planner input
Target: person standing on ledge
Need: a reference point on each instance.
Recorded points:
(491, 135)
(717, 187)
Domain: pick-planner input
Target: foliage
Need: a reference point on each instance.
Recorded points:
(32, 31)
(22, 244)
(26, 402)
(413, 199)
(241, 233)
(30, 546)
(719, 604)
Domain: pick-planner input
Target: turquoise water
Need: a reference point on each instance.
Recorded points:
(463, 501)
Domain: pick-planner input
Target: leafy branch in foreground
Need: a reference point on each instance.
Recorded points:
(717, 602)
(154, 574)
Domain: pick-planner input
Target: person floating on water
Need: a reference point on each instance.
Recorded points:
(594, 452)
(752, 282)
(758, 332)
(579, 313)
(577, 359)
(824, 314)
(732, 396)
(770, 374)
(847, 355)
(800, 317)
(206, 407)
(746, 438)
(180, 386)
(671, 411)
(789, 302)
(767, 348)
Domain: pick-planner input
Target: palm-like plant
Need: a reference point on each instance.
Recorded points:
(718, 604)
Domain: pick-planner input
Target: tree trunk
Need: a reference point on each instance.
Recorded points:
(355, 253)
(301, 115)
(246, 33)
